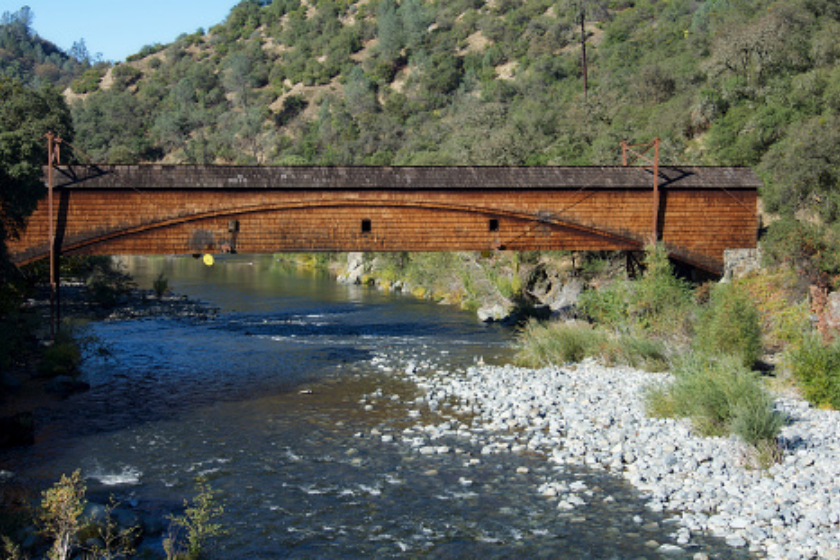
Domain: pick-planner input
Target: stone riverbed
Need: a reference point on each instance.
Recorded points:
(590, 415)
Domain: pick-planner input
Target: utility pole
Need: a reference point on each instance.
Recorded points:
(582, 15)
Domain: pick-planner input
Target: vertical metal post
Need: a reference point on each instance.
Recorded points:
(55, 302)
(656, 189)
(625, 161)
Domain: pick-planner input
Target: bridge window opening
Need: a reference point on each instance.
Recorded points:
(366, 226)
(494, 225)
(233, 226)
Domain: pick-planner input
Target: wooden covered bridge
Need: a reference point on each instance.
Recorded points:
(698, 212)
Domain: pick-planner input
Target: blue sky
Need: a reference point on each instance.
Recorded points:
(119, 28)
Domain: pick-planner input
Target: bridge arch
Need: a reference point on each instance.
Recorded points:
(511, 230)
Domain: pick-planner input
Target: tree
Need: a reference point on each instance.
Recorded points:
(416, 21)
(22, 17)
(60, 515)
(803, 170)
(389, 30)
(112, 122)
(25, 117)
(80, 52)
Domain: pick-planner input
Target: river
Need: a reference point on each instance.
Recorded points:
(287, 402)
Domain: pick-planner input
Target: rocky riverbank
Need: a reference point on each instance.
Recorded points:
(498, 288)
(590, 415)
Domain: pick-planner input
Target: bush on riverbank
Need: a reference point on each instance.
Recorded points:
(60, 516)
(70, 532)
(720, 396)
(63, 357)
(729, 324)
(634, 323)
(557, 343)
(816, 368)
(196, 522)
(781, 299)
(107, 283)
(658, 304)
(560, 343)
(467, 279)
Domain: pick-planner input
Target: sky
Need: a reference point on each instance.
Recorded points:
(119, 28)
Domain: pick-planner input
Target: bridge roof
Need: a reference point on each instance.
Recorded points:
(420, 178)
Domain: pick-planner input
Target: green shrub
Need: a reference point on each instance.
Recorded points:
(754, 419)
(88, 82)
(10, 549)
(126, 74)
(720, 396)
(557, 343)
(816, 367)
(544, 344)
(607, 306)
(660, 401)
(197, 522)
(107, 540)
(60, 514)
(782, 304)
(62, 358)
(661, 302)
(292, 107)
(107, 283)
(638, 352)
(658, 303)
(730, 324)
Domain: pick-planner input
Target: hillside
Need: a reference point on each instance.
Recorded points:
(381, 82)
(33, 60)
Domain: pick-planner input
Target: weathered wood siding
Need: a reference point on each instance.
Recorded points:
(177, 210)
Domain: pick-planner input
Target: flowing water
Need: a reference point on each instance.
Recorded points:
(281, 400)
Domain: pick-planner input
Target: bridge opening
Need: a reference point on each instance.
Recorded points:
(366, 226)
(494, 225)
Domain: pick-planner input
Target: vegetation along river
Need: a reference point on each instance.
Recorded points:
(288, 402)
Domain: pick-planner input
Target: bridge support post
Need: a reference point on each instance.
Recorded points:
(654, 163)
(53, 156)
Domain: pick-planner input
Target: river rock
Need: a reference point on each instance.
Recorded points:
(355, 269)
(567, 297)
(495, 312)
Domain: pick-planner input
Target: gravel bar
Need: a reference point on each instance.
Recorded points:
(590, 415)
